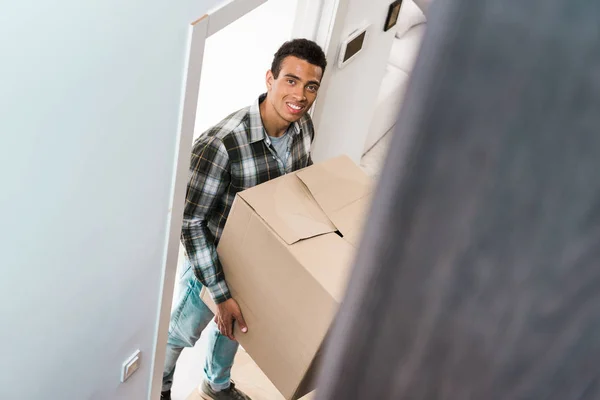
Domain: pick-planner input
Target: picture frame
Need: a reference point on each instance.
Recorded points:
(392, 15)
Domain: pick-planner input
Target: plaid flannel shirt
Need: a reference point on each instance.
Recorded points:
(234, 155)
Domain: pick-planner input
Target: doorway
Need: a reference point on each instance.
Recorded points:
(230, 50)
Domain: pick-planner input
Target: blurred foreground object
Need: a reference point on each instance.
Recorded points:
(479, 273)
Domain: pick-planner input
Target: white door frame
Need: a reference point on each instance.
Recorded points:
(199, 30)
(327, 34)
(311, 14)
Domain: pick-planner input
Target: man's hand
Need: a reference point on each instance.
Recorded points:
(227, 313)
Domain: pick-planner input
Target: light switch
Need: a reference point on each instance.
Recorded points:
(131, 365)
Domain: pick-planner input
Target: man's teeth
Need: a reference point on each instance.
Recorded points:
(295, 107)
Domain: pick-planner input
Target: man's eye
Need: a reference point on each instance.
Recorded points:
(291, 81)
(312, 88)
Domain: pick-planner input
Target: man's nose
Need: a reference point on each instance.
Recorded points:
(299, 93)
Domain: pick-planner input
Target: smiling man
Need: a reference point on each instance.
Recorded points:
(270, 138)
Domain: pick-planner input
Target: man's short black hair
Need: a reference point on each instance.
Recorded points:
(303, 49)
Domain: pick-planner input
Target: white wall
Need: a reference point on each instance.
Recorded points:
(237, 58)
(347, 99)
(89, 112)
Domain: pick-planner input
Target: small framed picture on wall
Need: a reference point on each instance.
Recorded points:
(392, 16)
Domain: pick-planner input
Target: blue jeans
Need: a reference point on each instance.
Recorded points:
(189, 318)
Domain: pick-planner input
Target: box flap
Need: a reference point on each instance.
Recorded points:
(288, 207)
(342, 191)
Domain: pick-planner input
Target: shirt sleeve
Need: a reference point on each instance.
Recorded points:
(209, 179)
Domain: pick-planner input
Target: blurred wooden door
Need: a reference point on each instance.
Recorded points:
(479, 274)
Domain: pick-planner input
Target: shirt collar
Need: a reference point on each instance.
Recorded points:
(257, 130)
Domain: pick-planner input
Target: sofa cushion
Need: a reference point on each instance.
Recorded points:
(423, 5)
(410, 15)
(405, 49)
(389, 100)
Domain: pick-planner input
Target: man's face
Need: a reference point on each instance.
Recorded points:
(295, 89)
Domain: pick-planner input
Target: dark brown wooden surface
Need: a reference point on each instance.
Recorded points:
(479, 274)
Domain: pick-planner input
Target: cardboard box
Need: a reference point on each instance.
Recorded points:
(286, 251)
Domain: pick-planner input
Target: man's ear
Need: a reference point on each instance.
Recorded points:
(269, 79)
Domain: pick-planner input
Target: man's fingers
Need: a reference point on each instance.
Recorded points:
(219, 324)
(231, 335)
(222, 326)
(228, 312)
(227, 330)
(240, 319)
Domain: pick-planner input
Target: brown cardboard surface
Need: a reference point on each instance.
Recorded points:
(336, 184)
(326, 258)
(289, 209)
(349, 219)
(287, 267)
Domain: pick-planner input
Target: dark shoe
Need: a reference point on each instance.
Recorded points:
(165, 395)
(231, 393)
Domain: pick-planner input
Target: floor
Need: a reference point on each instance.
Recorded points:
(245, 373)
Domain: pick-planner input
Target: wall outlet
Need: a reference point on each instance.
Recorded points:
(131, 365)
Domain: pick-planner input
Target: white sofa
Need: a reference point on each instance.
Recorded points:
(407, 41)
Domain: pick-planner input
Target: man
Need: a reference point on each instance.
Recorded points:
(268, 139)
